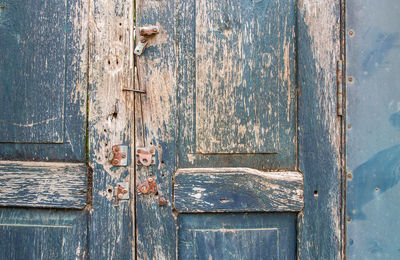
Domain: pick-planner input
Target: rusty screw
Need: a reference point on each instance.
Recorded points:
(162, 201)
(115, 162)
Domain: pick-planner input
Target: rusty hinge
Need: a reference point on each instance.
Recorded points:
(339, 82)
(119, 155)
(146, 33)
(121, 192)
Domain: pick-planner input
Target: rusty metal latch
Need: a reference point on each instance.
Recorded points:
(121, 192)
(145, 155)
(146, 33)
(119, 155)
(147, 187)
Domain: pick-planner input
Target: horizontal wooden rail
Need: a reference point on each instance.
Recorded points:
(43, 184)
(237, 190)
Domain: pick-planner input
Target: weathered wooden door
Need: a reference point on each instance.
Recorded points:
(63, 65)
(240, 120)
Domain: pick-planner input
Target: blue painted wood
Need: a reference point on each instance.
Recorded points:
(40, 184)
(43, 234)
(320, 231)
(237, 236)
(237, 190)
(373, 140)
(236, 84)
(43, 87)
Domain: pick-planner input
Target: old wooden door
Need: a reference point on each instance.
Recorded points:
(240, 119)
(63, 65)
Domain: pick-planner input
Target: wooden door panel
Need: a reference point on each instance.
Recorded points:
(43, 234)
(236, 84)
(43, 115)
(33, 71)
(237, 236)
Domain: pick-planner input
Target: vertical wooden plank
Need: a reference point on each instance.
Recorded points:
(155, 122)
(320, 233)
(111, 65)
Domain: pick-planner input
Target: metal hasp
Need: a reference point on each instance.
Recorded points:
(121, 192)
(147, 187)
(146, 33)
(119, 155)
(145, 156)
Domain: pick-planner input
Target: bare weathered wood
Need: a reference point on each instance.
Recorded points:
(237, 190)
(39, 184)
(111, 229)
(320, 233)
(155, 125)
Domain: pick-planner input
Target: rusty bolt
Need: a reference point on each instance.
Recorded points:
(115, 162)
(162, 201)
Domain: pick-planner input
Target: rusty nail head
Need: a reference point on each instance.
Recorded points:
(162, 201)
(351, 32)
(115, 162)
(350, 79)
(150, 179)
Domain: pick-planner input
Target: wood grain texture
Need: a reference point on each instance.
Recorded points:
(43, 234)
(320, 232)
(155, 123)
(111, 229)
(237, 190)
(236, 84)
(39, 184)
(244, 75)
(237, 236)
(43, 82)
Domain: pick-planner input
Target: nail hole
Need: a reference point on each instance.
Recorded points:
(120, 24)
(109, 190)
(377, 189)
(105, 130)
(120, 37)
(106, 145)
(315, 193)
(117, 61)
(145, 160)
(162, 162)
(109, 62)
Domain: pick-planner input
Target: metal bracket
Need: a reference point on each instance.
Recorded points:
(140, 47)
(145, 155)
(145, 33)
(121, 192)
(119, 155)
